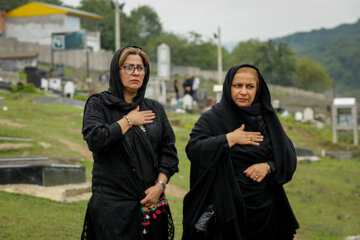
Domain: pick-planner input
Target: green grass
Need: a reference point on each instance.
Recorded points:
(27, 217)
(325, 195)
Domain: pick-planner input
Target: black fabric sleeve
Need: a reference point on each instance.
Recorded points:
(168, 160)
(272, 166)
(99, 134)
(204, 148)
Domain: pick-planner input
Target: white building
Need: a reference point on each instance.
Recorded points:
(35, 22)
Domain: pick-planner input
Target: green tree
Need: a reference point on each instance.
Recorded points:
(246, 52)
(146, 22)
(310, 75)
(277, 62)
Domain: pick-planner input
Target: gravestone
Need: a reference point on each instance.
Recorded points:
(55, 84)
(44, 175)
(187, 102)
(298, 116)
(285, 114)
(69, 89)
(276, 104)
(308, 115)
(163, 61)
(173, 102)
(44, 84)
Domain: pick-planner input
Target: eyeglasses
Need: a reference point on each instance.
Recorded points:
(131, 69)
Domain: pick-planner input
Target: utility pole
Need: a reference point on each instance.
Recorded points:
(117, 26)
(219, 57)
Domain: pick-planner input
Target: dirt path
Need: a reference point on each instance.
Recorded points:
(83, 150)
(175, 191)
(11, 123)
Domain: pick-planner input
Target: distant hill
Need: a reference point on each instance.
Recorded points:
(338, 49)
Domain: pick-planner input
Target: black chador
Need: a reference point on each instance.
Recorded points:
(244, 209)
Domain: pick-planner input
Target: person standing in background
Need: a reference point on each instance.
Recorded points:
(188, 85)
(176, 86)
(195, 88)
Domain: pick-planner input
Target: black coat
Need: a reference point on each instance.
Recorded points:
(213, 179)
(114, 210)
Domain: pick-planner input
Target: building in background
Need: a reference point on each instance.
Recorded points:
(35, 22)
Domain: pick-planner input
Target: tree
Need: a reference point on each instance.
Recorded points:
(246, 52)
(277, 62)
(311, 76)
(146, 21)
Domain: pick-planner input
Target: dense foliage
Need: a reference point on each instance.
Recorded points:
(337, 50)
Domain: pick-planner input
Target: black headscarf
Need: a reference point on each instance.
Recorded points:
(115, 95)
(282, 148)
(212, 177)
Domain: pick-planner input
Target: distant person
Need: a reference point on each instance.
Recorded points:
(240, 159)
(134, 153)
(195, 88)
(176, 86)
(188, 85)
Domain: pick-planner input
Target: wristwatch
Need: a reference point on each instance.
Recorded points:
(162, 184)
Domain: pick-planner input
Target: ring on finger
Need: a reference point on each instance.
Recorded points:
(251, 138)
(146, 118)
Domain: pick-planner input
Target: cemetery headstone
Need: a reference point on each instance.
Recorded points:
(308, 115)
(187, 102)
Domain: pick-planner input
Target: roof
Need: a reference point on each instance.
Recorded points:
(37, 9)
(344, 101)
(18, 55)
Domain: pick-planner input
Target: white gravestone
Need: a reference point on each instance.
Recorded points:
(55, 84)
(308, 115)
(163, 61)
(187, 101)
(276, 104)
(69, 89)
(298, 116)
(285, 114)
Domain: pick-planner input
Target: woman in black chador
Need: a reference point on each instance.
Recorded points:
(240, 158)
(134, 156)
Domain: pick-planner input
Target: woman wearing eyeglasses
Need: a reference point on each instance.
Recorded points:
(134, 153)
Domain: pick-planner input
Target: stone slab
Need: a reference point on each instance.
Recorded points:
(43, 175)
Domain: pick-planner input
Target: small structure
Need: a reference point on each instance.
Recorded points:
(308, 115)
(36, 21)
(69, 89)
(55, 84)
(298, 116)
(344, 116)
(276, 104)
(187, 101)
(18, 60)
(163, 61)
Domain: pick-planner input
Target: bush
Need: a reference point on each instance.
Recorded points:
(21, 88)
(81, 97)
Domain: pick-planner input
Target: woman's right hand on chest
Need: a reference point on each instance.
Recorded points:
(241, 137)
(138, 117)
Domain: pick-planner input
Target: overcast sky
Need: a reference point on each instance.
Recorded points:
(241, 20)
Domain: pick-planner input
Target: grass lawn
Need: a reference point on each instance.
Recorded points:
(325, 195)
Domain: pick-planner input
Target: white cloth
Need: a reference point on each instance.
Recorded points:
(196, 84)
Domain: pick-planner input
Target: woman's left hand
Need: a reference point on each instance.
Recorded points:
(152, 196)
(257, 172)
